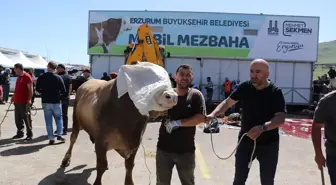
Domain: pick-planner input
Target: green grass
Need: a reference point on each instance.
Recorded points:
(327, 52)
(186, 51)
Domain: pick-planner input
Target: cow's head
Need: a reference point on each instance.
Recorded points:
(126, 25)
(167, 99)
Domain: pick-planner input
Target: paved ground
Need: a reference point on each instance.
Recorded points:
(36, 163)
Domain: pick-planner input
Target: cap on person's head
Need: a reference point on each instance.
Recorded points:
(1, 66)
(52, 65)
(61, 66)
(87, 70)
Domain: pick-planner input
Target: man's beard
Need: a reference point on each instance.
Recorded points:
(183, 86)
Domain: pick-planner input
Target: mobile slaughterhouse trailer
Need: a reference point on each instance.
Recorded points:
(216, 45)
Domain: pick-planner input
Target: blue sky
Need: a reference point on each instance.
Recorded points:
(58, 29)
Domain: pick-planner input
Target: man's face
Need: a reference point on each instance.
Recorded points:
(258, 73)
(183, 78)
(59, 70)
(17, 70)
(86, 74)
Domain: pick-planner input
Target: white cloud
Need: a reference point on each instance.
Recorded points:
(95, 17)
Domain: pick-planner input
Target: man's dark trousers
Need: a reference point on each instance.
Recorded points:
(185, 166)
(23, 117)
(65, 106)
(267, 156)
(331, 164)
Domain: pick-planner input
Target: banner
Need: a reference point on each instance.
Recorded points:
(197, 34)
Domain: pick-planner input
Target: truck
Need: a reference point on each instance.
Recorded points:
(216, 45)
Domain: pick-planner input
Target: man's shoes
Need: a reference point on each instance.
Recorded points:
(60, 138)
(28, 138)
(51, 142)
(17, 136)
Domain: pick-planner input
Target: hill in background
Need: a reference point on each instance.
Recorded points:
(327, 52)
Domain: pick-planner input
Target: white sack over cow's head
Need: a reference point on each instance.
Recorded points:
(166, 99)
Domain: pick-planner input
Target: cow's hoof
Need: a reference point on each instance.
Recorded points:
(65, 163)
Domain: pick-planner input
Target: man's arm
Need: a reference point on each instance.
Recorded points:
(236, 95)
(61, 87)
(224, 106)
(318, 122)
(70, 86)
(30, 87)
(38, 84)
(279, 107)
(198, 105)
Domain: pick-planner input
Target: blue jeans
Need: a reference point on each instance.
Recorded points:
(267, 155)
(331, 164)
(53, 110)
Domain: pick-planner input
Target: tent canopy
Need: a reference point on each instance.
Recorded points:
(5, 62)
(21, 58)
(39, 60)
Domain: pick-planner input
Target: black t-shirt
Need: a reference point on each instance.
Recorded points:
(181, 140)
(259, 107)
(67, 81)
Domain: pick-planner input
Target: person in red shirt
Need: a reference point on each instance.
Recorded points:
(227, 87)
(22, 99)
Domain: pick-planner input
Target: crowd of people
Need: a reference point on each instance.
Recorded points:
(262, 102)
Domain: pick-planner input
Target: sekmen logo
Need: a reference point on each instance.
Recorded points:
(291, 28)
(273, 30)
(285, 47)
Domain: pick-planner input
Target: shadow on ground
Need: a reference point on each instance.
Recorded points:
(28, 149)
(62, 177)
(9, 141)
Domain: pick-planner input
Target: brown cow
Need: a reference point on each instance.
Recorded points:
(112, 123)
(111, 29)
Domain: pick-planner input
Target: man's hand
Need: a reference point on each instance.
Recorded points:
(320, 161)
(209, 118)
(172, 125)
(12, 99)
(255, 132)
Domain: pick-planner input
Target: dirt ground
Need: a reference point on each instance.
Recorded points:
(37, 163)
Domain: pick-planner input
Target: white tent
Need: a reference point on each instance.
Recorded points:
(39, 60)
(5, 62)
(21, 58)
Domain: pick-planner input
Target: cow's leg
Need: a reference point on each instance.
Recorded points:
(105, 49)
(74, 135)
(129, 164)
(102, 166)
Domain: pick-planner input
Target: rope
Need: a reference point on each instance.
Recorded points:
(150, 173)
(240, 140)
(3, 119)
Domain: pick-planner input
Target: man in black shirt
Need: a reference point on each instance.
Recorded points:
(263, 108)
(65, 101)
(52, 89)
(176, 137)
(325, 116)
(105, 77)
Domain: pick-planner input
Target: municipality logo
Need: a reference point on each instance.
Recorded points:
(273, 29)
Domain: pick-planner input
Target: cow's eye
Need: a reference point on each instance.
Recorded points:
(167, 96)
